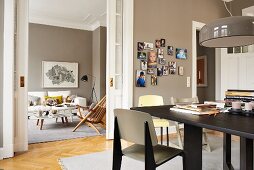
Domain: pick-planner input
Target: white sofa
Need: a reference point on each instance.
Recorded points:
(41, 95)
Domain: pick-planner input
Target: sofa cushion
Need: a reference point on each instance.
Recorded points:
(60, 93)
(40, 94)
(58, 99)
(34, 100)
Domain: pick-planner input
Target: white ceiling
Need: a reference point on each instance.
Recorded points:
(79, 14)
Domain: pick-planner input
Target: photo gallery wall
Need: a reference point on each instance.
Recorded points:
(153, 61)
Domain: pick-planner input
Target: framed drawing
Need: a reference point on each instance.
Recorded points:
(201, 71)
(59, 74)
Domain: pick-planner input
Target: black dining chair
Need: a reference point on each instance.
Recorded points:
(137, 127)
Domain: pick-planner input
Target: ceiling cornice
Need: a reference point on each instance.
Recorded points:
(38, 18)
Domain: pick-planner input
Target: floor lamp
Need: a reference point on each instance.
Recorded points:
(93, 93)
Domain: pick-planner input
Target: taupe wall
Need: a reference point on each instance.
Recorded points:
(99, 60)
(49, 43)
(172, 20)
(207, 93)
(1, 69)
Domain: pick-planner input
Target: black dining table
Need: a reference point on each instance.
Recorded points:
(227, 123)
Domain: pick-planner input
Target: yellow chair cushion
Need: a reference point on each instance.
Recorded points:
(59, 99)
(160, 123)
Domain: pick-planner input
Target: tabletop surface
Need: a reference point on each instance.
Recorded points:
(224, 122)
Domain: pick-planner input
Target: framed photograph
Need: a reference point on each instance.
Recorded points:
(160, 52)
(59, 74)
(201, 71)
(162, 61)
(148, 46)
(172, 64)
(163, 42)
(245, 49)
(170, 50)
(152, 59)
(141, 78)
(141, 46)
(165, 70)
(159, 71)
(154, 80)
(180, 70)
(157, 43)
(172, 71)
(141, 56)
(181, 53)
(150, 71)
(143, 65)
(237, 49)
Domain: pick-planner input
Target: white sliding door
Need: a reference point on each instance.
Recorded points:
(119, 51)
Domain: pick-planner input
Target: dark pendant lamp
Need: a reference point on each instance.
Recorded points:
(228, 32)
(93, 93)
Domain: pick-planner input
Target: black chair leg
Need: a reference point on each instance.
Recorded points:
(117, 148)
(167, 137)
(149, 154)
(161, 135)
(117, 161)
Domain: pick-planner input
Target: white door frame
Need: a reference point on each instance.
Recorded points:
(195, 26)
(8, 81)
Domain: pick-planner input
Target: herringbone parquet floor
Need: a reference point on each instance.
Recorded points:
(44, 156)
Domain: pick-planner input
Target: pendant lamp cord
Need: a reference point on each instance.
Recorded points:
(227, 8)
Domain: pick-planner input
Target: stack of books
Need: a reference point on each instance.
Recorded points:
(238, 95)
(197, 109)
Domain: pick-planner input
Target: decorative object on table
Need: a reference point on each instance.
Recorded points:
(152, 59)
(141, 46)
(165, 70)
(141, 56)
(163, 42)
(170, 50)
(237, 49)
(154, 80)
(59, 74)
(181, 53)
(160, 52)
(93, 92)
(157, 43)
(143, 65)
(141, 78)
(162, 61)
(172, 67)
(245, 49)
(150, 71)
(148, 46)
(180, 70)
(159, 71)
(228, 32)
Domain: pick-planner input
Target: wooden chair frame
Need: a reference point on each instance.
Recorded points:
(94, 116)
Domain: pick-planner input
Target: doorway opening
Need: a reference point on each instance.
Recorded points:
(205, 68)
(66, 44)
